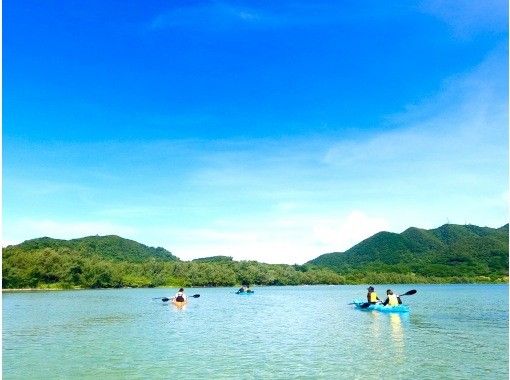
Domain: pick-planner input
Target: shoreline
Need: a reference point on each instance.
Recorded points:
(37, 289)
(198, 287)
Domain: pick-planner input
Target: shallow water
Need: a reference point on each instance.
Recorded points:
(306, 332)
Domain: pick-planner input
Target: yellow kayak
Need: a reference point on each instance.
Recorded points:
(179, 304)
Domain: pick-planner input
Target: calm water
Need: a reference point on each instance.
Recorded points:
(306, 332)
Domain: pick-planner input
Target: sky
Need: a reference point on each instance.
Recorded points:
(269, 131)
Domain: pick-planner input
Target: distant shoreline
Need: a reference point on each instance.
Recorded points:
(36, 289)
(122, 287)
(177, 286)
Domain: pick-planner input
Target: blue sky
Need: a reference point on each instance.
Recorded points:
(274, 132)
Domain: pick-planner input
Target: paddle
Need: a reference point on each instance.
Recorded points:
(165, 299)
(408, 293)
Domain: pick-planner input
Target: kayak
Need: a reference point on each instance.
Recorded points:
(179, 304)
(380, 307)
(245, 293)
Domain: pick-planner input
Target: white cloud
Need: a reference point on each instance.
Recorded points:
(340, 235)
(275, 238)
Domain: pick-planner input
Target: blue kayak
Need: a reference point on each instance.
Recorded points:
(380, 307)
(245, 293)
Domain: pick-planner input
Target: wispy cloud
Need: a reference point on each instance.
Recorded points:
(228, 14)
(468, 18)
(462, 128)
(38, 187)
(214, 14)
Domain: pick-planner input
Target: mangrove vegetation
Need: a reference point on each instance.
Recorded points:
(448, 254)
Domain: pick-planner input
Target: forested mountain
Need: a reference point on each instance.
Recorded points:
(450, 253)
(111, 261)
(214, 259)
(450, 250)
(108, 247)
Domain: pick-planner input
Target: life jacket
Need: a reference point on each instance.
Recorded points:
(392, 300)
(372, 297)
(179, 297)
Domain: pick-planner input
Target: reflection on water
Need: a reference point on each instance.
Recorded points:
(179, 305)
(387, 335)
(376, 325)
(397, 335)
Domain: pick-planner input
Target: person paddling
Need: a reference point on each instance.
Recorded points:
(372, 296)
(244, 289)
(391, 299)
(180, 296)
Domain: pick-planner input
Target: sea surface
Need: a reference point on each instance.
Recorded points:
(302, 332)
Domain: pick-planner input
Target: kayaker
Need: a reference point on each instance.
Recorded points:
(243, 288)
(391, 299)
(180, 296)
(372, 296)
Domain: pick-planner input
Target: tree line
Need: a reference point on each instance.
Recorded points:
(64, 268)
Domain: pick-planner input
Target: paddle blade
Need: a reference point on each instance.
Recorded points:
(409, 293)
(195, 295)
(165, 299)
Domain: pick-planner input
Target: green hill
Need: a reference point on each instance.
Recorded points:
(111, 261)
(89, 262)
(450, 250)
(108, 247)
(214, 259)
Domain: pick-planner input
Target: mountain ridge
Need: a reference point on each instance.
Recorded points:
(483, 250)
(111, 247)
